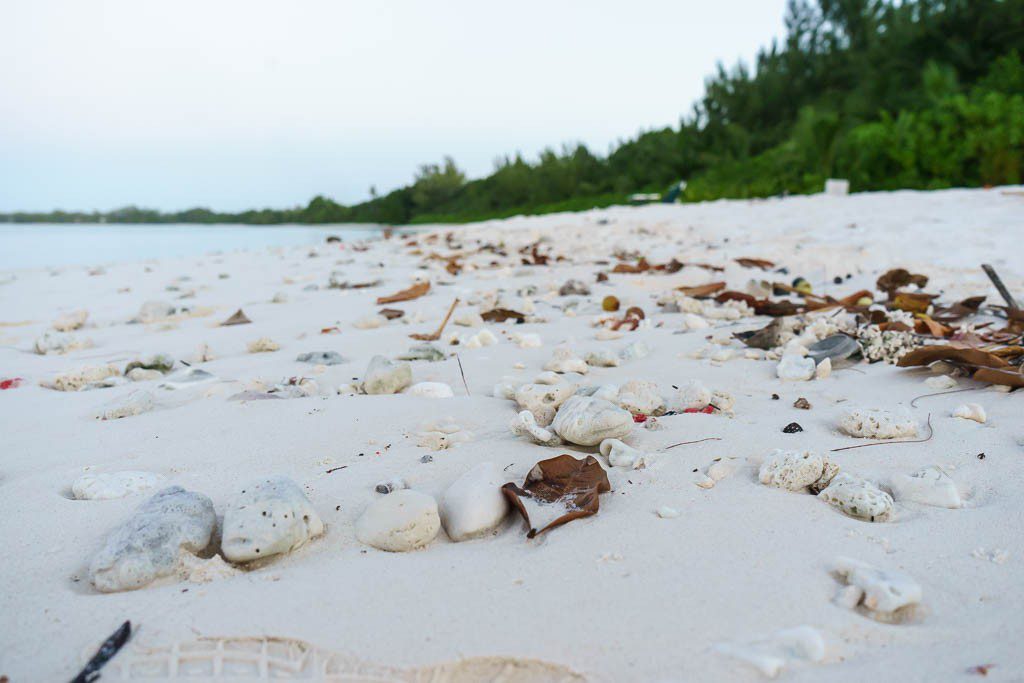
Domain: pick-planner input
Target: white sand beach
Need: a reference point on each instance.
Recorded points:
(633, 593)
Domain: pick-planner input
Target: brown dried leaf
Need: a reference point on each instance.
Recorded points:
(563, 481)
(391, 313)
(761, 263)
(641, 266)
(414, 292)
(500, 315)
(913, 303)
(925, 325)
(237, 318)
(892, 280)
(702, 291)
(926, 355)
(1009, 376)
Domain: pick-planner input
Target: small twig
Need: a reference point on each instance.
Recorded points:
(335, 469)
(437, 335)
(686, 443)
(461, 372)
(931, 432)
(913, 403)
(998, 282)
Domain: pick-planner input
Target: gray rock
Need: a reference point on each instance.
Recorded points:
(321, 358)
(148, 545)
(837, 347)
(427, 352)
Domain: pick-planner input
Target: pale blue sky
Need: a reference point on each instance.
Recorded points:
(233, 105)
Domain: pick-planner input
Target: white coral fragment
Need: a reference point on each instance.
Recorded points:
(870, 423)
(881, 592)
(858, 498)
(970, 411)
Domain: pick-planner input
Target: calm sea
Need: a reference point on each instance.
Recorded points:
(45, 244)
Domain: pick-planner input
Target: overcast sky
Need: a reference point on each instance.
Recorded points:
(234, 105)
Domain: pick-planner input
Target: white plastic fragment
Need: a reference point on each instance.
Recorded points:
(267, 518)
(148, 545)
(474, 503)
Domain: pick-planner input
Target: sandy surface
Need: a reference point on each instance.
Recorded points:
(621, 596)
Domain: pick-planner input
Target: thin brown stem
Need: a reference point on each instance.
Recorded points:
(686, 443)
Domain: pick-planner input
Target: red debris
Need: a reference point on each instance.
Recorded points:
(639, 418)
(12, 383)
(707, 410)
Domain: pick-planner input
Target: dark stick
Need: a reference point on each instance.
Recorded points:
(931, 432)
(997, 281)
(463, 374)
(107, 650)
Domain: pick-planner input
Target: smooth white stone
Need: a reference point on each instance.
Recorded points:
(399, 522)
(474, 503)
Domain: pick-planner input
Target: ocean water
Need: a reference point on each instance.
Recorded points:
(46, 244)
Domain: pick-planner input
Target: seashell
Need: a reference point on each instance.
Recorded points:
(858, 498)
(403, 521)
(148, 544)
(620, 454)
(588, 421)
(113, 485)
(929, 486)
(970, 411)
(474, 503)
(881, 592)
(384, 377)
(870, 423)
(269, 517)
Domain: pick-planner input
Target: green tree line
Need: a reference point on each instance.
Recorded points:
(917, 94)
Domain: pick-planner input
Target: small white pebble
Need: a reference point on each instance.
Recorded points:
(666, 512)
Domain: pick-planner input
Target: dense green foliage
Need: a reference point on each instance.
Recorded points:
(912, 94)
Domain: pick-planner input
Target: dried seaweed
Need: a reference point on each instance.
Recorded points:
(569, 485)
